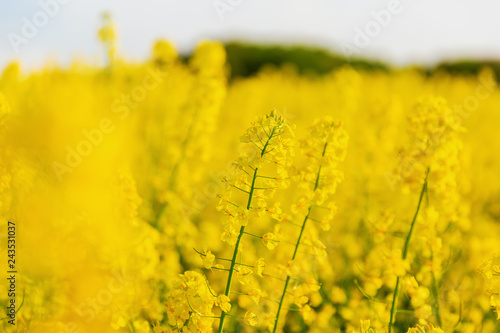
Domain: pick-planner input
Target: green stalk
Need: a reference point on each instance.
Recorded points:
(235, 253)
(242, 232)
(297, 247)
(394, 306)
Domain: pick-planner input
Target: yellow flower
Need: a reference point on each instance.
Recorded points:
(396, 264)
(209, 58)
(244, 275)
(307, 313)
(250, 318)
(425, 329)
(419, 296)
(259, 266)
(223, 302)
(423, 312)
(490, 270)
(269, 240)
(319, 249)
(338, 295)
(141, 326)
(229, 235)
(275, 211)
(164, 52)
(256, 295)
(208, 259)
(366, 326)
(118, 321)
(495, 305)
(301, 206)
(300, 301)
(108, 36)
(410, 284)
(282, 180)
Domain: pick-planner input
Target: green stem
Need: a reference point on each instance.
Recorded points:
(235, 253)
(408, 312)
(263, 152)
(256, 236)
(242, 232)
(316, 184)
(394, 306)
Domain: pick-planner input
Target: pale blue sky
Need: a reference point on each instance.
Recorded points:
(424, 31)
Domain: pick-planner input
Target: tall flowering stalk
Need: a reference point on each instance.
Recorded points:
(193, 126)
(200, 113)
(325, 147)
(394, 306)
(258, 172)
(108, 36)
(435, 147)
(272, 142)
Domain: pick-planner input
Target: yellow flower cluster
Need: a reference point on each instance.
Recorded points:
(364, 197)
(324, 147)
(491, 273)
(190, 300)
